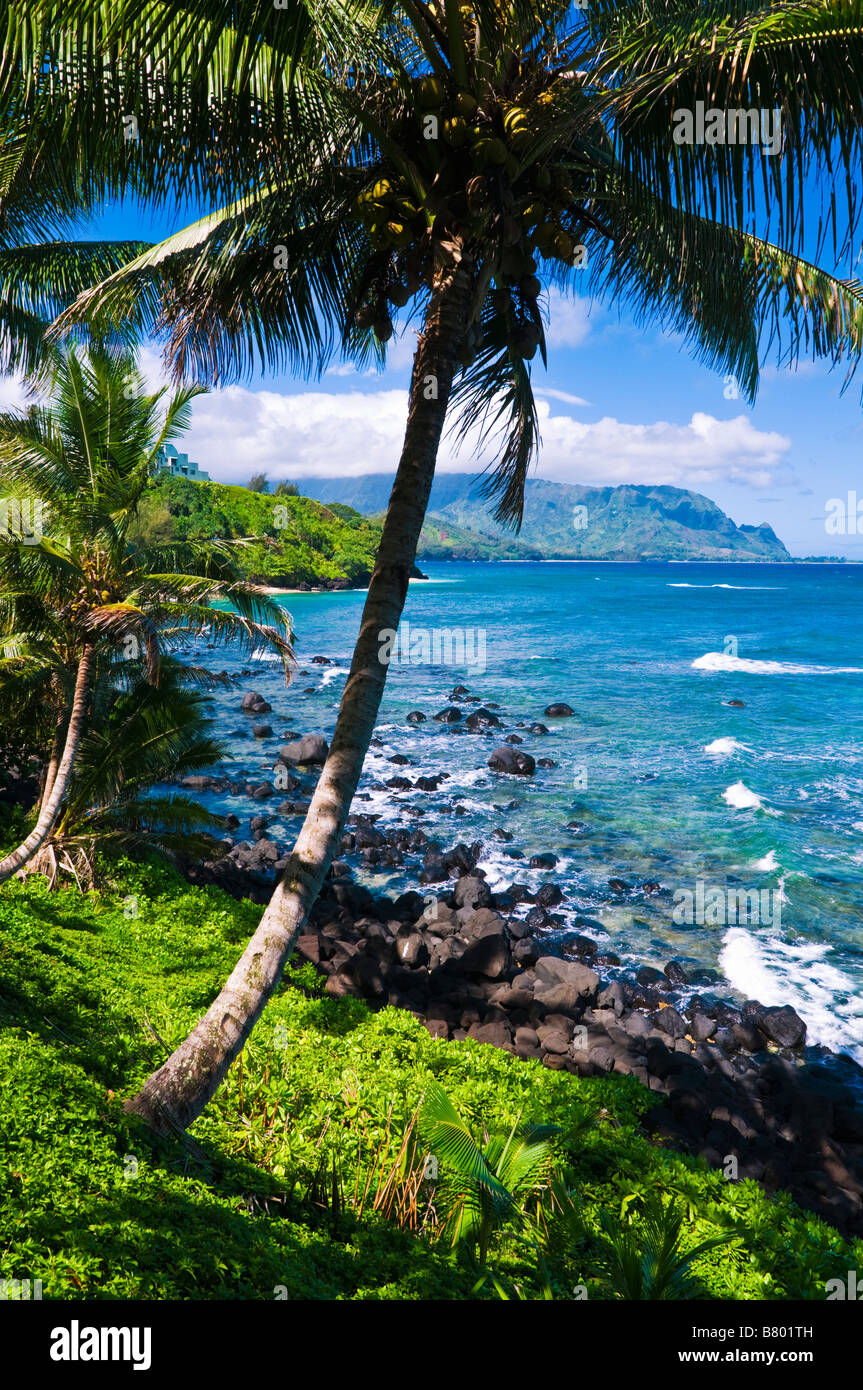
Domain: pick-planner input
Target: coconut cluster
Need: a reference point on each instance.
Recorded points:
(484, 186)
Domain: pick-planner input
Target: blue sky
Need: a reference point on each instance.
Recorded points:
(618, 403)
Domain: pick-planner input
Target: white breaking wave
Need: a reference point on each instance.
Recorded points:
(724, 745)
(771, 588)
(331, 674)
(741, 798)
(721, 661)
(773, 971)
(261, 654)
(767, 863)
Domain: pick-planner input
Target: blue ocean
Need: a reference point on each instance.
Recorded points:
(668, 806)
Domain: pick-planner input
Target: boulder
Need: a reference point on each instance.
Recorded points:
(482, 719)
(487, 949)
(543, 861)
(511, 760)
(254, 703)
(559, 711)
(471, 892)
(564, 985)
(416, 716)
(309, 750)
(450, 715)
(262, 731)
(671, 1022)
(782, 1025)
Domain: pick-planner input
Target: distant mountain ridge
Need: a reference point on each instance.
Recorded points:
(565, 521)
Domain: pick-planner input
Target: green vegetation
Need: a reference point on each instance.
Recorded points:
(298, 1180)
(89, 605)
(568, 521)
(292, 540)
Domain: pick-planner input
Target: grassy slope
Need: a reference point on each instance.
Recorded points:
(79, 980)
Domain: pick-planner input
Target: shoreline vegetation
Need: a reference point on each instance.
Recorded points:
(309, 1172)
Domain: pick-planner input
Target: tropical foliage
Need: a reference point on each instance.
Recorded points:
(290, 540)
(81, 601)
(92, 1004)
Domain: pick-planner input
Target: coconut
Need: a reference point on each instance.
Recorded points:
(563, 245)
(381, 190)
(465, 105)
(383, 328)
(497, 152)
(366, 315)
(543, 179)
(455, 131)
(430, 93)
(515, 120)
(398, 294)
(530, 286)
(510, 231)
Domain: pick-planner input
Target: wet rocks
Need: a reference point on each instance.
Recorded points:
(262, 731)
(560, 711)
(781, 1025)
(512, 760)
(254, 703)
(542, 861)
(482, 719)
(310, 750)
(450, 715)
(416, 716)
(563, 985)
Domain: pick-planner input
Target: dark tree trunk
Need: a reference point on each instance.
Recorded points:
(52, 800)
(175, 1095)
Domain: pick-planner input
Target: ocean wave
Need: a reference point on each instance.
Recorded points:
(725, 746)
(722, 661)
(261, 654)
(768, 863)
(741, 798)
(766, 968)
(331, 674)
(765, 588)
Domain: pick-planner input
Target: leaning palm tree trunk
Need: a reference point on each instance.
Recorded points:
(174, 1096)
(51, 803)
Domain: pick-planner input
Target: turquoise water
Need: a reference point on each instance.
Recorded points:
(668, 782)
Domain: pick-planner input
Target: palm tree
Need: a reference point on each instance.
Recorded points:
(82, 598)
(651, 1264)
(140, 736)
(453, 161)
(483, 1188)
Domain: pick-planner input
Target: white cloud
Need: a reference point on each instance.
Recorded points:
(569, 322)
(556, 395)
(237, 432)
(12, 394)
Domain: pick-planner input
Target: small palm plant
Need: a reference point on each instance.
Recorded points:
(140, 737)
(483, 1189)
(80, 596)
(650, 1264)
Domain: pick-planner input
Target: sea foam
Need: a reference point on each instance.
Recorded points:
(724, 745)
(764, 967)
(722, 661)
(741, 798)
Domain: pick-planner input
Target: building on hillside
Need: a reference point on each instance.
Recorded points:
(168, 460)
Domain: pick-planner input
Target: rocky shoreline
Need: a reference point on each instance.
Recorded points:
(738, 1086)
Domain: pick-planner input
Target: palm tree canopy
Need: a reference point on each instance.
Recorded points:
(345, 149)
(82, 459)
